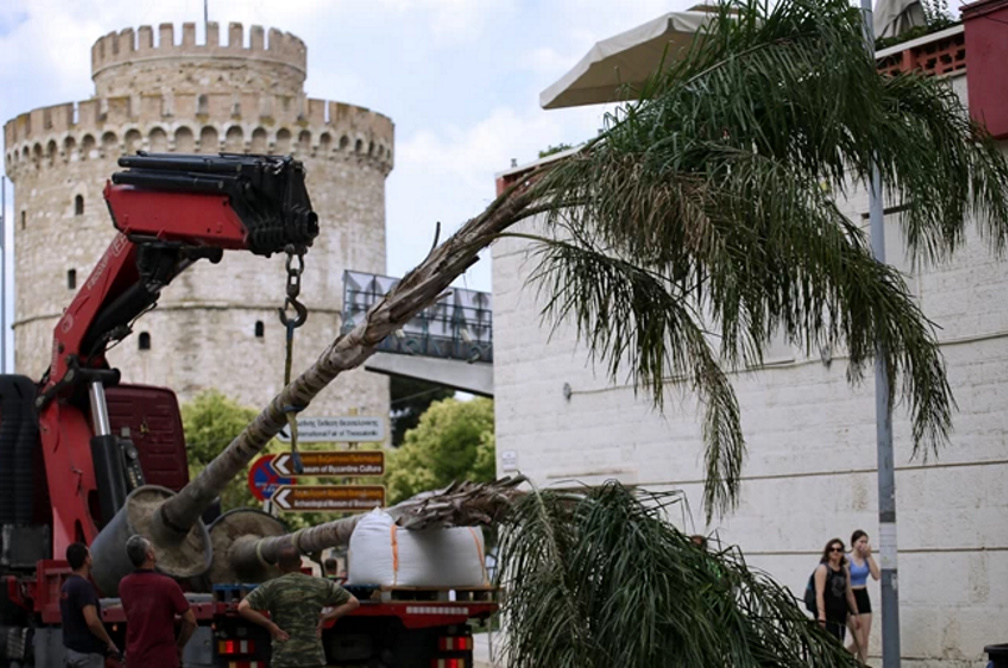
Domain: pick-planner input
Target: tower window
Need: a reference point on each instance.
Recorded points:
(71, 279)
(79, 205)
(260, 329)
(144, 343)
(23, 217)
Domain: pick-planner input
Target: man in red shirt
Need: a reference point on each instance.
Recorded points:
(151, 601)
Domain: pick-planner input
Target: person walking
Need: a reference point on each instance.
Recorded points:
(299, 605)
(862, 564)
(151, 601)
(85, 640)
(834, 598)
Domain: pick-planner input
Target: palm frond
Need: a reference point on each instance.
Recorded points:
(601, 579)
(704, 223)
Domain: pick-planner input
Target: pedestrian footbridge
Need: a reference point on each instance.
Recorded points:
(449, 343)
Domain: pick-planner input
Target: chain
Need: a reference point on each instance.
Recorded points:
(294, 271)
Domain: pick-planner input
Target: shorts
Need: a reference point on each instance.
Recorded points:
(862, 600)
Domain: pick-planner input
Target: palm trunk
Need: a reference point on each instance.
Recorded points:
(459, 504)
(418, 289)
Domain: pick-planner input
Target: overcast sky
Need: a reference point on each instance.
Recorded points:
(460, 79)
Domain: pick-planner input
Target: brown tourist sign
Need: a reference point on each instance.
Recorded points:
(355, 498)
(332, 463)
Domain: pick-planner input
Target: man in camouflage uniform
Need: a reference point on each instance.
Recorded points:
(295, 602)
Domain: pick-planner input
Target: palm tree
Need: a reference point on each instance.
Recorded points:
(701, 221)
(602, 579)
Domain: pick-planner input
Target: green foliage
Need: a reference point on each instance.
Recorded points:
(937, 13)
(550, 150)
(453, 441)
(211, 421)
(601, 579)
(696, 229)
(410, 398)
(937, 17)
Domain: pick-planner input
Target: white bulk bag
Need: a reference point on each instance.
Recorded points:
(384, 554)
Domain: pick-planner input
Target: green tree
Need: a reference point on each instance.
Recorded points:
(410, 398)
(211, 421)
(551, 149)
(454, 440)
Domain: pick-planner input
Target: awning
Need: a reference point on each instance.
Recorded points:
(615, 69)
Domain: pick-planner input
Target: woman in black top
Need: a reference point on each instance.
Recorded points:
(834, 597)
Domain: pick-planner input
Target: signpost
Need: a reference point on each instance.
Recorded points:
(352, 428)
(333, 463)
(263, 479)
(301, 498)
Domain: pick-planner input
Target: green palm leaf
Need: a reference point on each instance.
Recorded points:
(601, 579)
(701, 222)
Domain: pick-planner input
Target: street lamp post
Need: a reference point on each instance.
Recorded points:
(883, 428)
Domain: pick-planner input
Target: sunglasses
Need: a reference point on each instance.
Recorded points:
(836, 549)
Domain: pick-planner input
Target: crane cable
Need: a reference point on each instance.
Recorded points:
(294, 272)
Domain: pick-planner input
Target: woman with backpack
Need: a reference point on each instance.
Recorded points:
(834, 597)
(861, 566)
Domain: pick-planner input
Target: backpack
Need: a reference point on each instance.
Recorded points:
(810, 597)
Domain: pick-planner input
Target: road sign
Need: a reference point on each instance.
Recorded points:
(299, 498)
(263, 480)
(350, 428)
(343, 462)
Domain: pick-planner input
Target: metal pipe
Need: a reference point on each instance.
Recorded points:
(99, 409)
(883, 426)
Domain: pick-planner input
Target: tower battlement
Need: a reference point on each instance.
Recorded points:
(130, 60)
(209, 123)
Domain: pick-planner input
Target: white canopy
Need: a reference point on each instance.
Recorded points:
(894, 17)
(615, 68)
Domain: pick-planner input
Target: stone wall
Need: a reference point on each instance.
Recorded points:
(810, 474)
(126, 62)
(204, 99)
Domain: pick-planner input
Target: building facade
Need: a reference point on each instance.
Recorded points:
(216, 326)
(811, 470)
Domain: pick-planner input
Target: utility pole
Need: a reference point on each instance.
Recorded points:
(883, 426)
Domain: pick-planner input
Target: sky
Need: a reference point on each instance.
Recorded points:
(459, 78)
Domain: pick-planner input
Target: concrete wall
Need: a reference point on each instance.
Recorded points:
(811, 468)
(202, 98)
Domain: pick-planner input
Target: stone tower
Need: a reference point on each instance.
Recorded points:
(216, 325)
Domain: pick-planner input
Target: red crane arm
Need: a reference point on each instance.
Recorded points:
(170, 211)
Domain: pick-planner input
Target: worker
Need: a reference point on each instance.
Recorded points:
(85, 640)
(151, 601)
(299, 605)
(331, 567)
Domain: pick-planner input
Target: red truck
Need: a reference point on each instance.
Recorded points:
(76, 443)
